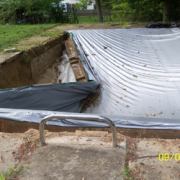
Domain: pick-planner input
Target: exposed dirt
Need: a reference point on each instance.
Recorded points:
(31, 141)
(97, 26)
(50, 75)
(141, 170)
(148, 149)
(17, 72)
(40, 49)
(90, 100)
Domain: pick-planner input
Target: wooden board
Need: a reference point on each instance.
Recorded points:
(70, 48)
(75, 62)
(78, 72)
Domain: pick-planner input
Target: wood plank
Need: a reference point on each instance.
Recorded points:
(75, 62)
(70, 48)
(79, 71)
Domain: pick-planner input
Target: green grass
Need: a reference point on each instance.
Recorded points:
(87, 19)
(12, 173)
(11, 34)
(92, 19)
(126, 173)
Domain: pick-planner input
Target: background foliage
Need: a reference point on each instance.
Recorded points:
(34, 11)
(145, 10)
(82, 4)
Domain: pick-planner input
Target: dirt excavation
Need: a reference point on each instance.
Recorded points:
(52, 63)
(99, 26)
(18, 69)
(25, 68)
(146, 148)
(58, 72)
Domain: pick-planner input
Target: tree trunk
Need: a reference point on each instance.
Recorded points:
(109, 15)
(167, 8)
(98, 6)
(75, 16)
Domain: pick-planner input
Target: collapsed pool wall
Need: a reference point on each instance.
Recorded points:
(21, 89)
(22, 69)
(41, 63)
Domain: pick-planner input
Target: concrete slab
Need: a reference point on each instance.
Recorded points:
(75, 140)
(76, 157)
(75, 162)
(148, 165)
(66, 156)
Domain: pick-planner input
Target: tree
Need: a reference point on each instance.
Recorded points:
(33, 8)
(147, 10)
(107, 5)
(82, 5)
(171, 10)
(99, 12)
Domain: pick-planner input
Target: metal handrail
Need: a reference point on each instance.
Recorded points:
(77, 116)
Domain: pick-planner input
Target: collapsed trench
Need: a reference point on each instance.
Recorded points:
(67, 68)
(43, 65)
(55, 66)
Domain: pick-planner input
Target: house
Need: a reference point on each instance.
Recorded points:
(68, 4)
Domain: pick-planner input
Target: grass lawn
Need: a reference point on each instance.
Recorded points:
(92, 19)
(10, 34)
(23, 37)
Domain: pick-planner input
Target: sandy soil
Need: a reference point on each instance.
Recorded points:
(96, 26)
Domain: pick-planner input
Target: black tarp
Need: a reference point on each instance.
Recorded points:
(57, 97)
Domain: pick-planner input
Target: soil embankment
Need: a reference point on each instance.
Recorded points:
(25, 68)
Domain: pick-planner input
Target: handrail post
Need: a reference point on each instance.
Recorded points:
(83, 117)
